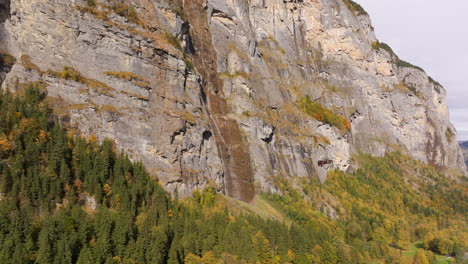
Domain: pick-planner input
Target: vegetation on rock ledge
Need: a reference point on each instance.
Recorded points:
(102, 11)
(6, 59)
(399, 62)
(355, 8)
(322, 114)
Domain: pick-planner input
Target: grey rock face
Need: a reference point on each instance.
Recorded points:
(232, 120)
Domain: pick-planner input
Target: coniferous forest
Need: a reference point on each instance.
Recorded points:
(68, 199)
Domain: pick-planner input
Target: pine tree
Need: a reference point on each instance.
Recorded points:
(329, 253)
(86, 256)
(262, 248)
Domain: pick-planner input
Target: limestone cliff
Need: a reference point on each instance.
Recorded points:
(228, 93)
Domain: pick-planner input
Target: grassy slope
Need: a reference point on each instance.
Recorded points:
(411, 252)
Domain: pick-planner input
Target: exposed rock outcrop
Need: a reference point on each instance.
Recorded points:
(211, 92)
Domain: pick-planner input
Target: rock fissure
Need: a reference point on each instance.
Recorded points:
(234, 154)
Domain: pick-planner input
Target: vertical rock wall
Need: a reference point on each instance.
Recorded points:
(209, 92)
(238, 177)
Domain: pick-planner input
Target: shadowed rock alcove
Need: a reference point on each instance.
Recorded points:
(4, 10)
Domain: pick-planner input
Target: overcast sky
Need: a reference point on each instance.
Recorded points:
(432, 34)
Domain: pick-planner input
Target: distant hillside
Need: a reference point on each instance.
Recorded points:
(464, 144)
(464, 147)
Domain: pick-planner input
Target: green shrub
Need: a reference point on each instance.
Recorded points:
(93, 10)
(128, 76)
(402, 63)
(323, 114)
(70, 73)
(6, 59)
(28, 64)
(355, 8)
(437, 85)
(120, 8)
(129, 12)
(189, 63)
(376, 45)
(174, 41)
(179, 10)
(434, 81)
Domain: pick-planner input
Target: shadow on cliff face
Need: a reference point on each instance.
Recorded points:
(238, 177)
(6, 60)
(4, 10)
